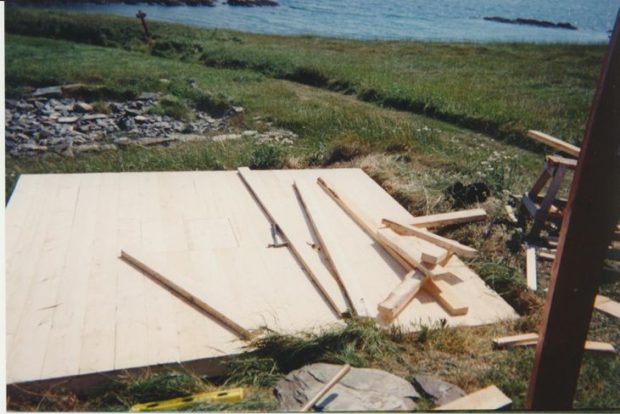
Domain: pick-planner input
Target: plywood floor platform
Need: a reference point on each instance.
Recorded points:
(74, 307)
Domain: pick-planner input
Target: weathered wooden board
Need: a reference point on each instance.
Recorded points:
(74, 307)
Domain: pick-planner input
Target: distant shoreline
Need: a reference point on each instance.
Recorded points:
(168, 3)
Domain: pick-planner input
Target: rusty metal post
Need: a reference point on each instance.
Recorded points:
(590, 217)
(142, 16)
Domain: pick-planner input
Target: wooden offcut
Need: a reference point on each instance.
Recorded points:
(507, 341)
(451, 245)
(400, 297)
(489, 398)
(556, 143)
(446, 219)
(531, 275)
(531, 339)
(188, 296)
(607, 305)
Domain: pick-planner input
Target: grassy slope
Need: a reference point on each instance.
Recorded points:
(412, 156)
(501, 89)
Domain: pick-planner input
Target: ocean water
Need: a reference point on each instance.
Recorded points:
(430, 20)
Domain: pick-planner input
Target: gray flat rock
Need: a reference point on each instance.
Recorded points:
(439, 391)
(362, 389)
(51, 91)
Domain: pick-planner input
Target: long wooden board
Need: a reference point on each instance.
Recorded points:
(330, 246)
(446, 219)
(325, 282)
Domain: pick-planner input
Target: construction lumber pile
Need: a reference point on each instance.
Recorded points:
(121, 271)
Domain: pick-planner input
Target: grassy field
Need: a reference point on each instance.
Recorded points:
(417, 117)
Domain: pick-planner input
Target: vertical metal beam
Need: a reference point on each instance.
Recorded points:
(589, 219)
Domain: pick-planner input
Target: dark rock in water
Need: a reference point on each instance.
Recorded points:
(439, 391)
(51, 91)
(361, 389)
(251, 3)
(532, 22)
(464, 195)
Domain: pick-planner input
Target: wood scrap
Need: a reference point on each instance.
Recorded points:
(318, 274)
(187, 296)
(531, 268)
(445, 294)
(400, 297)
(554, 142)
(454, 217)
(489, 398)
(531, 339)
(448, 244)
(546, 255)
(328, 386)
(411, 248)
(607, 305)
(330, 247)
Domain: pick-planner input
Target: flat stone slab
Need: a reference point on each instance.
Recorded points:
(362, 389)
(439, 391)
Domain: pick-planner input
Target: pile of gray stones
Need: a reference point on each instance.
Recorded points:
(50, 122)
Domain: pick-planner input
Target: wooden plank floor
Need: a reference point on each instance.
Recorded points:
(73, 307)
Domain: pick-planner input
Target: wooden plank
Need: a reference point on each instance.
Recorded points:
(454, 217)
(330, 246)
(322, 279)
(451, 245)
(607, 305)
(532, 278)
(590, 217)
(554, 142)
(531, 339)
(447, 296)
(409, 249)
(400, 297)
(540, 183)
(489, 398)
(569, 163)
(546, 204)
(507, 341)
(230, 324)
(546, 255)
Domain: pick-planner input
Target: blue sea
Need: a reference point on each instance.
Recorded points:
(429, 20)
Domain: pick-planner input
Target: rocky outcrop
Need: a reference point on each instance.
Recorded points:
(362, 389)
(532, 22)
(49, 121)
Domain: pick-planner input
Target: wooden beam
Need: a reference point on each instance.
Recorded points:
(489, 398)
(554, 142)
(590, 217)
(454, 217)
(450, 245)
(569, 163)
(546, 255)
(330, 246)
(445, 294)
(531, 339)
(532, 278)
(187, 296)
(400, 297)
(609, 306)
(410, 248)
(318, 274)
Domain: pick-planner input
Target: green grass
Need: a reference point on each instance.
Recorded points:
(499, 89)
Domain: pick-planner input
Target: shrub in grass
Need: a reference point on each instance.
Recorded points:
(174, 107)
(267, 156)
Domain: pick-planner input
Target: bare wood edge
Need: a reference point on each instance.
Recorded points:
(316, 218)
(245, 172)
(191, 299)
(328, 386)
(607, 305)
(399, 298)
(531, 339)
(507, 341)
(554, 142)
(442, 294)
(530, 265)
(451, 245)
(453, 217)
(489, 398)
